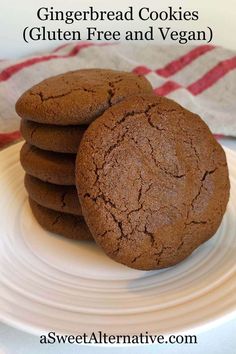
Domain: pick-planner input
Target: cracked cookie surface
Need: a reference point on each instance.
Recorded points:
(50, 137)
(53, 196)
(48, 166)
(68, 225)
(79, 97)
(152, 181)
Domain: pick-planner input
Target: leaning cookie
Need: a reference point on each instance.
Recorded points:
(152, 181)
(53, 196)
(64, 139)
(79, 97)
(48, 166)
(67, 225)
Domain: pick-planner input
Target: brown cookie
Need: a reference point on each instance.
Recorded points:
(48, 166)
(68, 225)
(50, 137)
(53, 196)
(152, 180)
(78, 97)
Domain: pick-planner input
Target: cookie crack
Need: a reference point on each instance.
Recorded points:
(114, 146)
(44, 99)
(111, 91)
(196, 222)
(206, 173)
(117, 222)
(159, 165)
(152, 239)
(160, 113)
(33, 132)
(190, 143)
(135, 258)
(131, 114)
(63, 203)
(201, 186)
(56, 220)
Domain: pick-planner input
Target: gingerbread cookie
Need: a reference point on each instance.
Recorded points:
(152, 181)
(55, 138)
(67, 225)
(53, 196)
(48, 166)
(78, 97)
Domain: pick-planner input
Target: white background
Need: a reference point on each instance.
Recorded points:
(14, 16)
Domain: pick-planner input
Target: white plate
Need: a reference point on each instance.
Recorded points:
(50, 283)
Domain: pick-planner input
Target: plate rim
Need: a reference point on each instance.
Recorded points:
(35, 330)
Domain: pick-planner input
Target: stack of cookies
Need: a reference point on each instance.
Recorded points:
(107, 160)
(55, 114)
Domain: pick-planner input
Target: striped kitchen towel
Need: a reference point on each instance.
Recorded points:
(203, 78)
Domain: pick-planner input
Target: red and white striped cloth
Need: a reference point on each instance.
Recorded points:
(203, 79)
